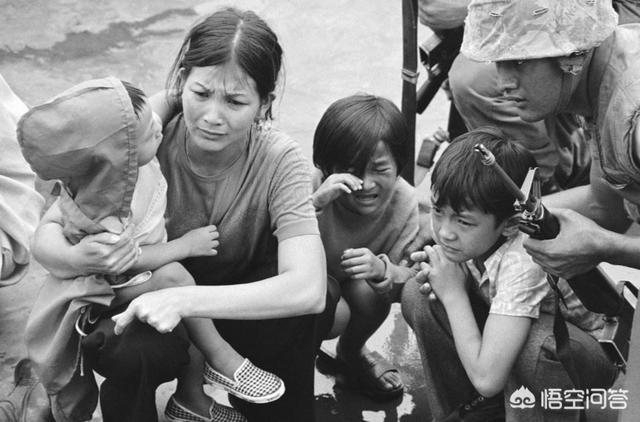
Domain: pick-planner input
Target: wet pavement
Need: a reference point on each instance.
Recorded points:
(332, 49)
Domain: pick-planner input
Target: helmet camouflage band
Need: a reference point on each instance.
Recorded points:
(498, 30)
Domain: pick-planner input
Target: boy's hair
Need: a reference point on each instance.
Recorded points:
(137, 96)
(349, 131)
(461, 181)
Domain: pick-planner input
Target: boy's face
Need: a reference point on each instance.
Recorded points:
(378, 181)
(148, 134)
(470, 234)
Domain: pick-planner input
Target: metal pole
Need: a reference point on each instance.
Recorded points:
(410, 76)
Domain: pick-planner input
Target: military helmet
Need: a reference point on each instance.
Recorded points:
(498, 30)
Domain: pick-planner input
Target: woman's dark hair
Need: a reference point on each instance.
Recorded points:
(461, 181)
(136, 95)
(349, 131)
(231, 35)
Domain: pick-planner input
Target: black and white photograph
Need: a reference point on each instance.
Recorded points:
(337, 211)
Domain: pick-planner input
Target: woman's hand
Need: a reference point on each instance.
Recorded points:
(202, 241)
(160, 309)
(334, 186)
(106, 253)
(362, 264)
(577, 248)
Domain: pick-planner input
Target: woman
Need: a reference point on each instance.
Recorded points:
(225, 167)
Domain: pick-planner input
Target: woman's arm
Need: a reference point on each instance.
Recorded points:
(298, 289)
(104, 253)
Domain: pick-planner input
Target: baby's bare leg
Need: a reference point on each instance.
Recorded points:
(202, 332)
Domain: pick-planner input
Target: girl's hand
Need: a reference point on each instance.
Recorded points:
(106, 253)
(334, 186)
(202, 241)
(362, 264)
(160, 309)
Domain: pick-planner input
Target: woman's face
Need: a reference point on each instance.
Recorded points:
(220, 103)
(533, 85)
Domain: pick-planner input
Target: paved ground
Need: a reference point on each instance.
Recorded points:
(332, 49)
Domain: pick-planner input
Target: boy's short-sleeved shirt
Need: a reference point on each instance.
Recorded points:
(512, 284)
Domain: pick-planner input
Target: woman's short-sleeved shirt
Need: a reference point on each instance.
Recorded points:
(261, 199)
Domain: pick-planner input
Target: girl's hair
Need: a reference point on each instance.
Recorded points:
(136, 95)
(349, 131)
(231, 35)
(461, 181)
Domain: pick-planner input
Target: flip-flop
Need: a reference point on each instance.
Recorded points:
(363, 375)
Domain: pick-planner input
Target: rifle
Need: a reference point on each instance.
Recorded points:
(437, 54)
(598, 293)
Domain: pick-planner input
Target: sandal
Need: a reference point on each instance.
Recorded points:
(363, 374)
(175, 412)
(249, 383)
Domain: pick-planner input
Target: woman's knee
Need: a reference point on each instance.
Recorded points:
(140, 351)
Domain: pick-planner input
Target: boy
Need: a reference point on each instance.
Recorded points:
(100, 138)
(491, 326)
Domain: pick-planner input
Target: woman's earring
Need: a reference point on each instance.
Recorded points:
(261, 123)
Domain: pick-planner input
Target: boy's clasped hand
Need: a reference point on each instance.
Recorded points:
(440, 278)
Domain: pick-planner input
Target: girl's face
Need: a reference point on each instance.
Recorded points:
(533, 86)
(148, 135)
(378, 181)
(220, 104)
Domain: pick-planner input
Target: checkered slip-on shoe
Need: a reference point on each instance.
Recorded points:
(249, 383)
(175, 412)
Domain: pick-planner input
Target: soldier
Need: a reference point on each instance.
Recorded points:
(571, 56)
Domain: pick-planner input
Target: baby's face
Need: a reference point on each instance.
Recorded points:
(148, 135)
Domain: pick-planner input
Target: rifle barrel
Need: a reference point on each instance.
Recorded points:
(488, 159)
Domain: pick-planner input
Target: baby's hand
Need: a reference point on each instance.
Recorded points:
(334, 186)
(202, 241)
(362, 264)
